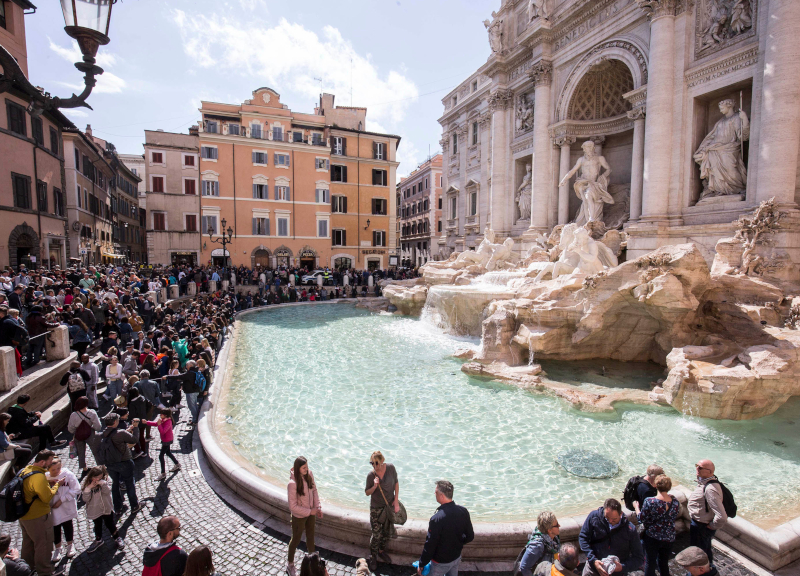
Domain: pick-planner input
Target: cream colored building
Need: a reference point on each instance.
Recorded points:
(643, 80)
(172, 179)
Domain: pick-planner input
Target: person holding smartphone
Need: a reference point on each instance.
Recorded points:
(164, 425)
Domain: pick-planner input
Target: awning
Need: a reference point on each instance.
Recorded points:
(218, 252)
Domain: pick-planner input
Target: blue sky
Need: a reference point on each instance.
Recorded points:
(167, 56)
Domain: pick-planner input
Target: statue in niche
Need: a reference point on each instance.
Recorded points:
(523, 196)
(524, 114)
(495, 33)
(722, 168)
(725, 19)
(536, 9)
(591, 186)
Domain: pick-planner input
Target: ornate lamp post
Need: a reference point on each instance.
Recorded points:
(87, 21)
(224, 240)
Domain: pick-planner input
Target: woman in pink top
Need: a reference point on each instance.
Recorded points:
(304, 507)
(164, 424)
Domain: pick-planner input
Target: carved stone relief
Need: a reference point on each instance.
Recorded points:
(523, 116)
(721, 23)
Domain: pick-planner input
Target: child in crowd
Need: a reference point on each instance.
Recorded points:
(164, 424)
(99, 507)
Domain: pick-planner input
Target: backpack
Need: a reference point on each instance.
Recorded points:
(728, 502)
(631, 492)
(21, 336)
(12, 498)
(75, 382)
(84, 429)
(155, 570)
(107, 453)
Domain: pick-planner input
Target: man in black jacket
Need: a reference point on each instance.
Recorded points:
(23, 424)
(449, 529)
(165, 551)
(607, 532)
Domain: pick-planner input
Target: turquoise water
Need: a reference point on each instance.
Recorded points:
(334, 383)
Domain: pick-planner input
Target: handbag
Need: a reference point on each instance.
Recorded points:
(399, 517)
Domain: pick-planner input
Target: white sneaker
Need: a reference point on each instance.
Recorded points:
(120, 543)
(291, 570)
(70, 553)
(176, 468)
(161, 477)
(57, 554)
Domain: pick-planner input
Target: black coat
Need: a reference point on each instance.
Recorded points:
(599, 541)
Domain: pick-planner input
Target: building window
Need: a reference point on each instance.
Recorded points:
(282, 193)
(338, 173)
(379, 177)
(157, 158)
(159, 221)
(277, 133)
(189, 187)
(210, 188)
(297, 137)
(188, 160)
(379, 206)
(339, 204)
(2, 14)
(378, 238)
(316, 139)
(339, 237)
(473, 204)
(323, 196)
(322, 228)
(158, 183)
(439, 225)
(191, 223)
(281, 159)
(283, 226)
(255, 131)
(440, 202)
(425, 205)
(322, 164)
(211, 127)
(16, 118)
(453, 206)
(37, 130)
(77, 159)
(208, 153)
(474, 85)
(474, 133)
(455, 143)
(41, 195)
(260, 158)
(22, 190)
(261, 191)
(208, 222)
(339, 146)
(455, 100)
(379, 150)
(58, 202)
(261, 226)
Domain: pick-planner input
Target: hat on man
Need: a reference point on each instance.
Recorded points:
(129, 345)
(692, 557)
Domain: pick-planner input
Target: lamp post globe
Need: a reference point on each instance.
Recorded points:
(87, 21)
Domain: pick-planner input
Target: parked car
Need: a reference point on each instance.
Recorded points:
(311, 279)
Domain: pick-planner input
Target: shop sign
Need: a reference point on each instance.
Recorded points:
(307, 254)
(373, 251)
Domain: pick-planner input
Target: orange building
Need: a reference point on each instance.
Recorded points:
(266, 171)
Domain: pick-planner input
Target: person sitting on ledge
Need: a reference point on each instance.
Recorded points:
(24, 424)
(696, 562)
(606, 532)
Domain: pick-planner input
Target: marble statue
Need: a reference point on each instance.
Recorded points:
(524, 120)
(591, 186)
(479, 257)
(495, 34)
(579, 253)
(523, 196)
(722, 167)
(502, 253)
(536, 9)
(724, 20)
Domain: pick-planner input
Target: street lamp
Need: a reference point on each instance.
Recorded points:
(224, 240)
(87, 21)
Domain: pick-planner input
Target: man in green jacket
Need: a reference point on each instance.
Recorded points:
(37, 524)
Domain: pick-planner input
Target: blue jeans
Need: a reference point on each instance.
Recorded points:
(123, 472)
(701, 535)
(113, 389)
(449, 569)
(191, 402)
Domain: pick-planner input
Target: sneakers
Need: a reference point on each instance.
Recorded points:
(291, 570)
(372, 562)
(57, 554)
(161, 477)
(118, 514)
(120, 541)
(176, 468)
(70, 553)
(57, 445)
(94, 546)
(137, 508)
(59, 570)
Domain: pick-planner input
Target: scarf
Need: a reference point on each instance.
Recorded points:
(550, 545)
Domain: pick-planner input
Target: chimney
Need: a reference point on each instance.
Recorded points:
(193, 130)
(89, 130)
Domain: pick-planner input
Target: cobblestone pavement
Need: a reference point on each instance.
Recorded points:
(241, 547)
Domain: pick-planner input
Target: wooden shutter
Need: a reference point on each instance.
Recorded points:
(374, 238)
(255, 225)
(344, 204)
(189, 187)
(344, 173)
(374, 150)
(344, 148)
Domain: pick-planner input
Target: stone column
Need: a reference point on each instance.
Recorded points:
(191, 289)
(564, 142)
(174, 292)
(658, 129)
(780, 113)
(542, 74)
(501, 221)
(637, 161)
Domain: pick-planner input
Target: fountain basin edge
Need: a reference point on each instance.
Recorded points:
(495, 546)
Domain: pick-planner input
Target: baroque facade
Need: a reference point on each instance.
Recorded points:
(693, 108)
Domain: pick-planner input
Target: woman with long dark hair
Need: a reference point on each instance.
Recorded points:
(313, 565)
(304, 507)
(200, 562)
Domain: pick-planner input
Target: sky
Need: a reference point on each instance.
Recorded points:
(400, 57)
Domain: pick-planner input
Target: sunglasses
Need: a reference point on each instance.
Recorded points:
(375, 463)
(701, 467)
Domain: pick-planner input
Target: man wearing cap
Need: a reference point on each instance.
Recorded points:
(696, 562)
(705, 508)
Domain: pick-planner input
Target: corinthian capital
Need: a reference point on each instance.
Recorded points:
(500, 99)
(658, 8)
(564, 141)
(541, 73)
(637, 113)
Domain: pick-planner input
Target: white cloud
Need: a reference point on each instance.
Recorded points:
(107, 83)
(409, 157)
(73, 54)
(75, 113)
(288, 57)
(253, 4)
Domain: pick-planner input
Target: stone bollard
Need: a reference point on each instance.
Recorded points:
(8, 368)
(56, 344)
(291, 279)
(346, 280)
(212, 286)
(191, 289)
(174, 292)
(162, 295)
(225, 284)
(320, 281)
(370, 281)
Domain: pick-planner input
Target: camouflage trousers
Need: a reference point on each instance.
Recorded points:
(380, 535)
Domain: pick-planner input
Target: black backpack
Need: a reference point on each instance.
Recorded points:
(12, 498)
(727, 498)
(630, 493)
(107, 453)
